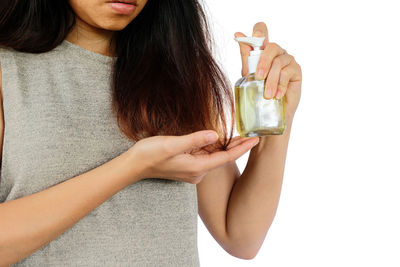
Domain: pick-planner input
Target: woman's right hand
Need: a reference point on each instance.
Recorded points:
(171, 157)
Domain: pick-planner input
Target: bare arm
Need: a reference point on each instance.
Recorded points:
(238, 209)
(255, 195)
(22, 227)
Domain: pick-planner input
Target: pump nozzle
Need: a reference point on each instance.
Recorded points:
(256, 43)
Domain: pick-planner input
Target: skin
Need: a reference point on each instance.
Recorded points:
(236, 208)
(96, 22)
(282, 73)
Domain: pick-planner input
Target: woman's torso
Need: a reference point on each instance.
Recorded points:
(59, 124)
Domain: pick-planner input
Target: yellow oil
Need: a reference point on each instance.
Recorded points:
(255, 115)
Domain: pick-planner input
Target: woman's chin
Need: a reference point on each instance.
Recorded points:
(114, 24)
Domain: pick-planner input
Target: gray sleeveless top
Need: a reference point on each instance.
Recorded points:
(58, 124)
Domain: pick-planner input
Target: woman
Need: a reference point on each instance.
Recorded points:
(113, 130)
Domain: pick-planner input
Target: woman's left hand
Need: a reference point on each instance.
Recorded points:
(283, 74)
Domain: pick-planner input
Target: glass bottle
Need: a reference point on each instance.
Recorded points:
(255, 115)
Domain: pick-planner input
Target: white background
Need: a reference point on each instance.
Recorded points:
(340, 202)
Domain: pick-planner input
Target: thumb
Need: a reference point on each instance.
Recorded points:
(194, 140)
(245, 53)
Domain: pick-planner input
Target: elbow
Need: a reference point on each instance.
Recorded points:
(244, 254)
(243, 250)
(245, 246)
(251, 255)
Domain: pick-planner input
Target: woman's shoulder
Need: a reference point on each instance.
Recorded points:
(23, 62)
(23, 57)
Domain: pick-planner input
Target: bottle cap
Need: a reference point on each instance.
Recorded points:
(256, 43)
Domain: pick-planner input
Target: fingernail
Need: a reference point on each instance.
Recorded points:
(211, 137)
(257, 33)
(278, 95)
(260, 74)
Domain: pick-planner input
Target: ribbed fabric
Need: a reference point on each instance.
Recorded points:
(58, 124)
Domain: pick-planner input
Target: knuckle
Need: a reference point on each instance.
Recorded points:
(268, 57)
(283, 77)
(282, 87)
(284, 73)
(278, 61)
(273, 45)
(195, 140)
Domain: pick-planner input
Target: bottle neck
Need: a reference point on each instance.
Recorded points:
(253, 62)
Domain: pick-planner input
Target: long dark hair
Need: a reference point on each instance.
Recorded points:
(165, 80)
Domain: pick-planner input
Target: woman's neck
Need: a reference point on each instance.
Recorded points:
(91, 38)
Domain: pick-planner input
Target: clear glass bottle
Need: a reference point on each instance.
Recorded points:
(255, 115)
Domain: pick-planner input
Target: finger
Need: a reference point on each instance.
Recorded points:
(260, 30)
(271, 84)
(213, 160)
(180, 144)
(244, 53)
(286, 74)
(236, 141)
(271, 51)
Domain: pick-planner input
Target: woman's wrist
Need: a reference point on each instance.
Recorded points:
(130, 166)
